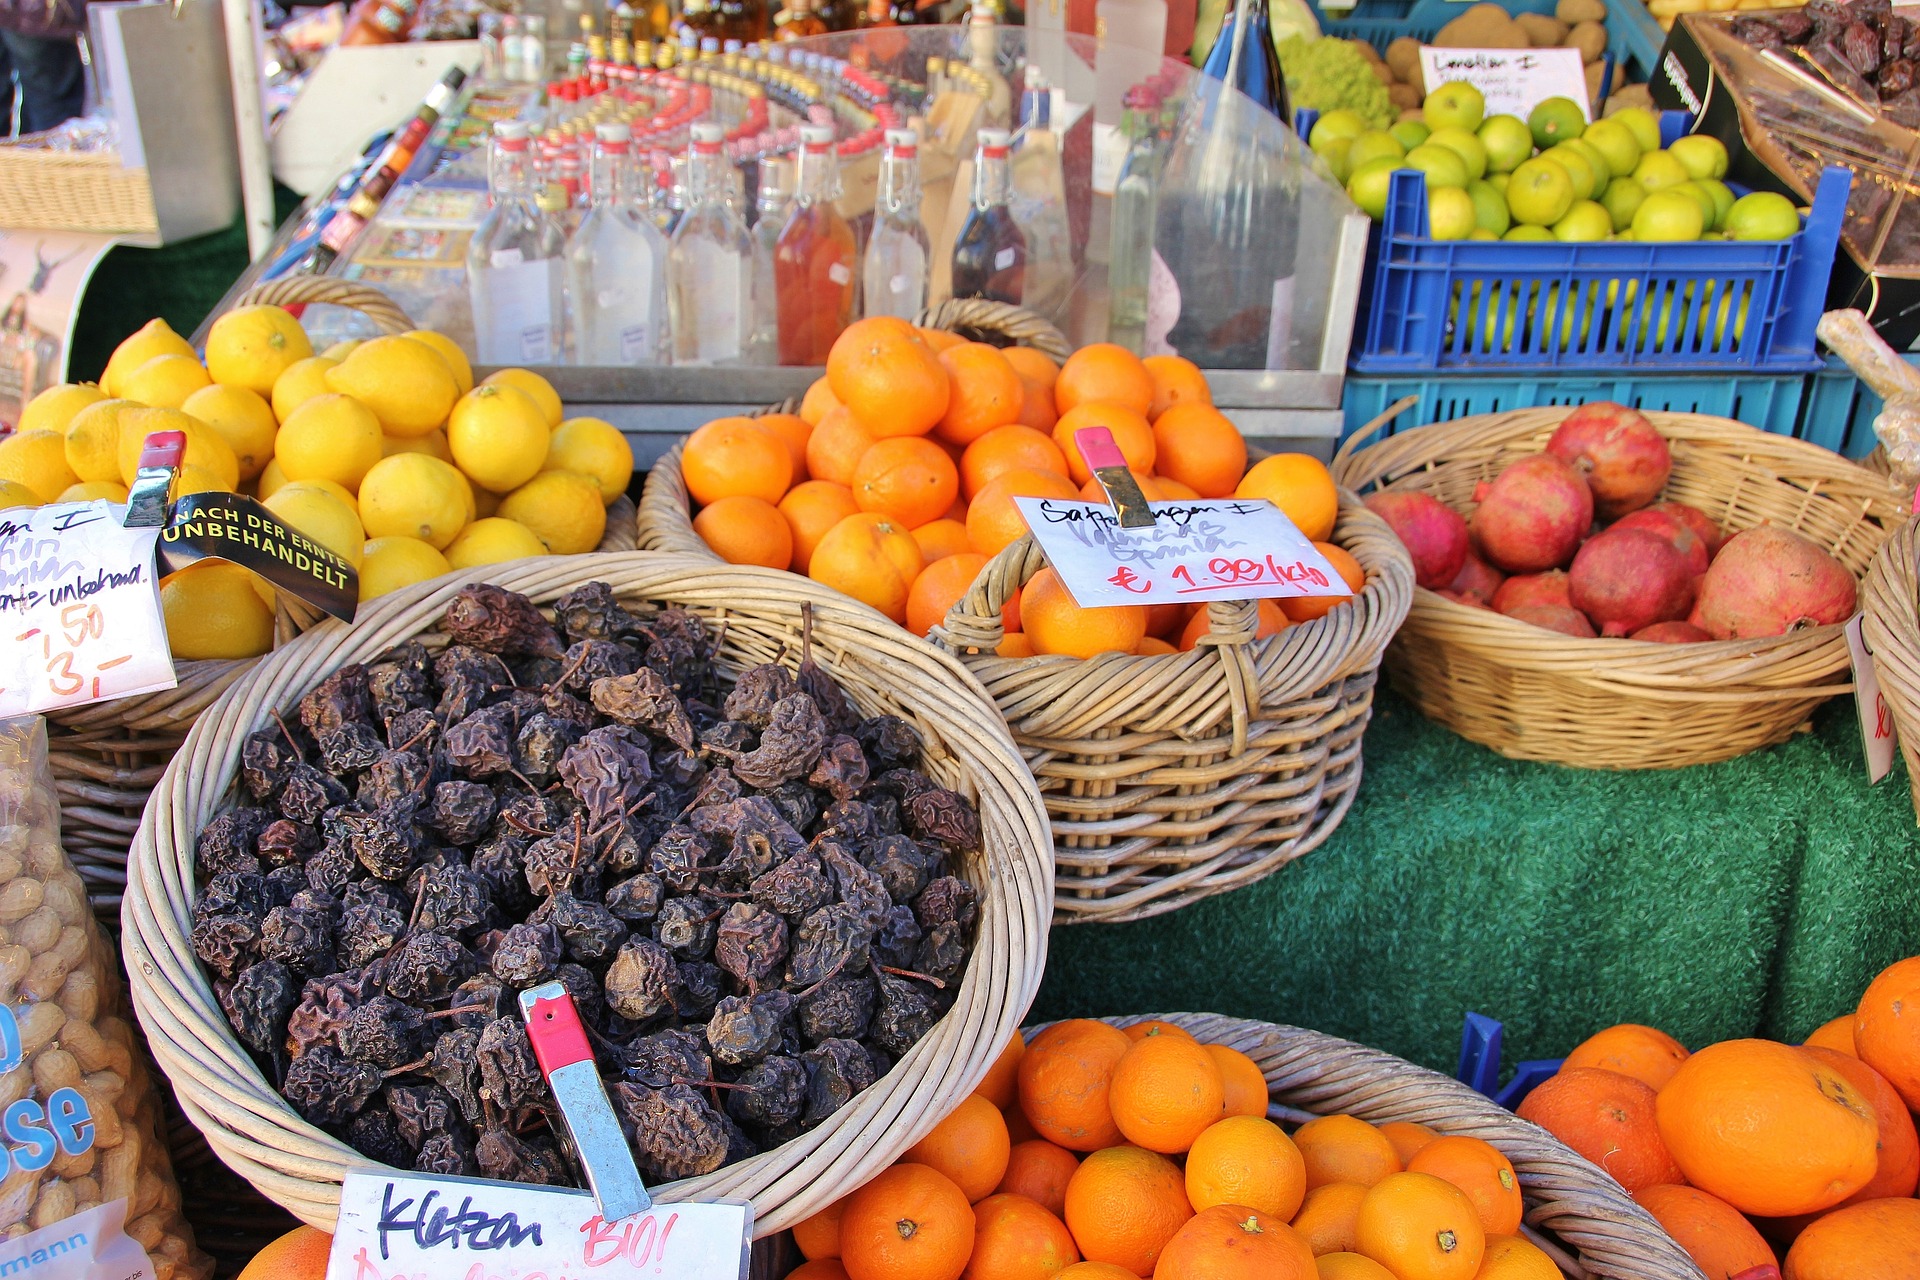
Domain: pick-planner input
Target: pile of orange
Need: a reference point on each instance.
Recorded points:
(1095, 1153)
(1753, 1153)
(896, 480)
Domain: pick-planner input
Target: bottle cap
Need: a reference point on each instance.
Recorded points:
(902, 138)
(614, 133)
(708, 137)
(510, 130)
(817, 136)
(994, 138)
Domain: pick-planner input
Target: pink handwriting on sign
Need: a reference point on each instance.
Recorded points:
(639, 1241)
(363, 1269)
(1244, 571)
(1127, 580)
(1882, 717)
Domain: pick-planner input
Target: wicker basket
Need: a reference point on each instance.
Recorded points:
(1172, 778)
(75, 191)
(1890, 598)
(1623, 704)
(760, 615)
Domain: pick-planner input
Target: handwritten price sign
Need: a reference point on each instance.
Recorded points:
(1877, 736)
(1513, 81)
(1211, 549)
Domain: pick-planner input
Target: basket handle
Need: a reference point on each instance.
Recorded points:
(1351, 444)
(1021, 328)
(297, 290)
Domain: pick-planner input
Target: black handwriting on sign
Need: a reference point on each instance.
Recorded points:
(432, 1227)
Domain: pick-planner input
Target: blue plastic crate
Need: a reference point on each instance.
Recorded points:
(1771, 402)
(1840, 410)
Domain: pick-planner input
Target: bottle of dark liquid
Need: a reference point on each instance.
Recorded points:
(990, 254)
(1255, 69)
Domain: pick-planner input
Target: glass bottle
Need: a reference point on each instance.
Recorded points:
(1250, 65)
(774, 197)
(515, 270)
(620, 31)
(1131, 267)
(379, 22)
(990, 255)
(815, 257)
(894, 271)
(710, 267)
(1039, 201)
(798, 21)
(617, 267)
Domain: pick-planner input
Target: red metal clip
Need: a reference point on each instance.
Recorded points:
(164, 449)
(559, 1039)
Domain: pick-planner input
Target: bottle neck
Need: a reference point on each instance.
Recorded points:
(992, 184)
(510, 174)
(707, 179)
(612, 178)
(819, 175)
(900, 182)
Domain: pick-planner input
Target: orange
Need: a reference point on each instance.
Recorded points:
(743, 530)
(1273, 620)
(907, 478)
(1327, 1216)
(993, 521)
(1344, 1149)
(1515, 1258)
(884, 371)
(1014, 645)
(1037, 373)
(1096, 1271)
(1245, 1161)
(1153, 647)
(793, 430)
(1421, 1228)
(1408, 1138)
(1609, 1119)
(819, 1236)
(1299, 485)
(1771, 1129)
(1130, 433)
(1836, 1035)
(1480, 1170)
(1040, 1171)
(1897, 1162)
(910, 1223)
(1001, 1086)
(970, 1146)
(986, 393)
(1879, 1240)
(1886, 1027)
(1715, 1235)
(1005, 449)
(818, 400)
(1349, 1266)
(1307, 608)
(1196, 445)
(1166, 1090)
(836, 446)
(1155, 1027)
(1172, 490)
(1094, 491)
(1176, 381)
(1107, 372)
(824, 1269)
(301, 1254)
(811, 508)
(939, 339)
(1019, 1128)
(941, 585)
(1234, 1242)
(1016, 1239)
(1057, 625)
(1064, 1078)
(736, 456)
(1246, 1087)
(1124, 1204)
(941, 538)
(871, 558)
(1648, 1054)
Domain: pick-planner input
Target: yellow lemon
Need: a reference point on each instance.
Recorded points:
(433, 444)
(242, 419)
(309, 509)
(485, 502)
(593, 448)
(194, 479)
(341, 350)
(491, 540)
(498, 437)
(406, 383)
(271, 479)
(561, 508)
(387, 564)
(450, 352)
(303, 381)
(538, 388)
(37, 460)
(93, 440)
(206, 448)
(152, 339)
(332, 438)
(55, 407)
(212, 611)
(253, 346)
(14, 494)
(353, 503)
(89, 490)
(414, 496)
(164, 382)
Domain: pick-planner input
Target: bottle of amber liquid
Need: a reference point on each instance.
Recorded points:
(990, 255)
(798, 21)
(815, 258)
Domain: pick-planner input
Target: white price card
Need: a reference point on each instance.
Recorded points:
(1513, 81)
(1209, 549)
(1877, 733)
(79, 608)
(406, 1226)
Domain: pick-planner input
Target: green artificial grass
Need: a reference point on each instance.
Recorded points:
(1753, 897)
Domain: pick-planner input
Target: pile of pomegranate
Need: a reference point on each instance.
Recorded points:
(1574, 540)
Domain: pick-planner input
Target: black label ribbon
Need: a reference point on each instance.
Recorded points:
(231, 526)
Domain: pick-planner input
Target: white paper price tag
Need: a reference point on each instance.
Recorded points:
(79, 608)
(403, 1226)
(1877, 733)
(1210, 549)
(1513, 81)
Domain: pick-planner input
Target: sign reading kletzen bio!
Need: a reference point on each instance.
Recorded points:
(412, 1227)
(1513, 81)
(1207, 549)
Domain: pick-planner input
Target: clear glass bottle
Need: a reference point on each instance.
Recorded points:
(1131, 266)
(1254, 67)
(894, 271)
(710, 266)
(815, 259)
(1039, 201)
(515, 263)
(772, 203)
(617, 267)
(990, 254)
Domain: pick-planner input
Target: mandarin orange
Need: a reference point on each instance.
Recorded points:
(1715, 1235)
(1124, 1204)
(1196, 445)
(1648, 1054)
(743, 530)
(1131, 434)
(970, 1146)
(1246, 1087)
(1886, 1027)
(1344, 1149)
(1307, 608)
(1005, 449)
(1103, 371)
(1064, 1078)
(987, 393)
(1057, 625)
(811, 508)
(1235, 1242)
(1609, 1119)
(870, 557)
(1421, 1228)
(910, 1223)
(1015, 1238)
(882, 369)
(1040, 1170)
(1327, 1217)
(993, 521)
(1301, 486)
(836, 445)
(1479, 1169)
(910, 479)
(1176, 381)
(1249, 1161)
(1166, 1091)
(731, 457)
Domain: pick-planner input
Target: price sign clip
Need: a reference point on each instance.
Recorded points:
(1109, 467)
(149, 499)
(560, 1043)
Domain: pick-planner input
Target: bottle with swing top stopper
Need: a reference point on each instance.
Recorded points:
(814, 261)
(710, 266)
(515, 263)
(894, 272)
(617, 267)
(990, 255)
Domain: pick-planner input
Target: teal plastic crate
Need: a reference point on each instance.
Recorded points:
(1839, 411)
(1771, 402)
(1634, 36)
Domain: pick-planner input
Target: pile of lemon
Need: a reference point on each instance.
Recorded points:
(382, 451)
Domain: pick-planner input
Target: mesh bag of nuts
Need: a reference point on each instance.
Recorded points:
(88, 1190)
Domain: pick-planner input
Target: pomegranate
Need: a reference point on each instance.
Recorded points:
(1477, 578)
(1673, 528)
(1463, 597)
(1767, 582)
(1671, 633)
(1555, 617)
(1533, 515)
(1699, 521)
(1434, 534)
(1623, 458)
(1533, 588)
(1626, 579)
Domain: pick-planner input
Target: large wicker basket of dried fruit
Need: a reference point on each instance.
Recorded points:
(946, 857)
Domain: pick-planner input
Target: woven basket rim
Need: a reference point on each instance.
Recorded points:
(258, 1134)
(1891, 628)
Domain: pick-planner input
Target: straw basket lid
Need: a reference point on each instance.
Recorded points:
(760, 616)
